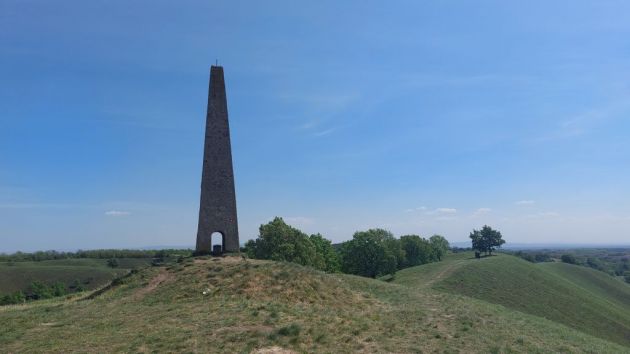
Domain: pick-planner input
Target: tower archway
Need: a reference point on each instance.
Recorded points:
(217, 243)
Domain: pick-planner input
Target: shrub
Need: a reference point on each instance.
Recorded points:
(291, 330)
(39, 290)
(58, 289)
(112, 263)
(11, 299)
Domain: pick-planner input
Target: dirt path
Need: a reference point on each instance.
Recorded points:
(448, 269)
(163, 277)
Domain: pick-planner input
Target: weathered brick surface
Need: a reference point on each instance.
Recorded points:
(217, 210)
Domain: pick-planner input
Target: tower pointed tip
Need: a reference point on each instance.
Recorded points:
(216, 64)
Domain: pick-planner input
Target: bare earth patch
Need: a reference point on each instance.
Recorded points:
(162, 278)
(273, 350)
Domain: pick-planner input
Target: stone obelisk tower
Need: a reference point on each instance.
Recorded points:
(217, 210)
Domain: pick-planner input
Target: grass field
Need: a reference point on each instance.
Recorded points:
(90, 272)
(235, 305)
(578, 297)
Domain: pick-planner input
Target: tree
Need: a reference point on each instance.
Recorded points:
(327, 258)
(486, 240)
(417, 250)
(281, 242)
(439, 245)
(370, 253)
(568, 258)
(626, 277)
(393, 247)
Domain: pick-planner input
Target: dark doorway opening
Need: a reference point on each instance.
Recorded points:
(216, 243)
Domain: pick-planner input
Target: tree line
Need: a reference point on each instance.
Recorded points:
(99, 254)
(370, 253)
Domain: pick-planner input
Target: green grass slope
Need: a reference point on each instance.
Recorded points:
(92, 273)
(573, 296)
(240, 306)
(594, 281)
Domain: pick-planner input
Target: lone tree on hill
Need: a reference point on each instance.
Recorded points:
(486, 240)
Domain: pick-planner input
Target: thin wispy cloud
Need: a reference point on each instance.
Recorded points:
(446, 210)
(443, 214)
(321, 101)
(324, 132)
(411, 210)
(584, 122)
(116, 213)
(525, 202)
(310, 124)
(481, 211)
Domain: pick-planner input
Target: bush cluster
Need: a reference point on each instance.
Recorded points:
(11, 299)
(370, 253)
(281, 242)
(39, 290)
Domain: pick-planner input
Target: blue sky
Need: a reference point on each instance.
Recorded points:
(418, 117)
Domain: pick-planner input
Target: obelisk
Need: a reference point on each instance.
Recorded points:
(217, 209)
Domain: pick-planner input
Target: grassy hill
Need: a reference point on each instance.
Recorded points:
(91, 273)
(235, 305)
(594, 281)
(578, 297)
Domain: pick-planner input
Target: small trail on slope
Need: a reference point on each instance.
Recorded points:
(162, 277)
(448, 269)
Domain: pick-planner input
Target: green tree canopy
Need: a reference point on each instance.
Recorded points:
(371, 253)
(440, 246)
(327, 258)
(568, 258)
(281, 242)
(417, 250)
(486, 240)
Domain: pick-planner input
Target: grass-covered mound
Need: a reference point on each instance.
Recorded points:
(236, 305)
(574, 296)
